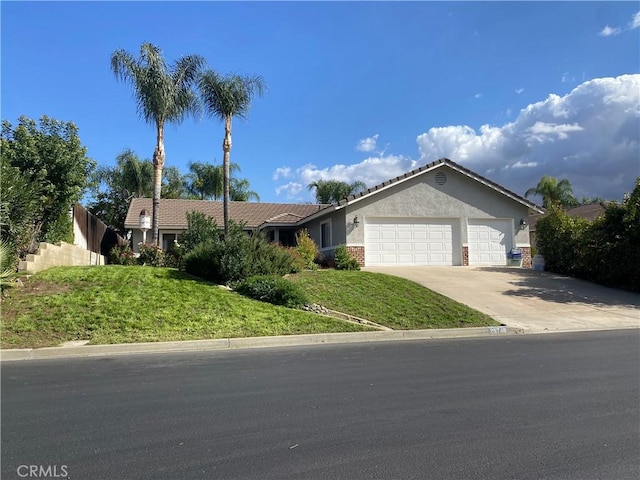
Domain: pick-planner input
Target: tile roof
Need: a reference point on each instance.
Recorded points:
(173, 212)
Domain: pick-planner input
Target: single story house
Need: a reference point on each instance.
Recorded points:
(439, 214)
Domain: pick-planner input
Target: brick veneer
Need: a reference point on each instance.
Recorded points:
(526, 257)
(358, 254)
(465, 256)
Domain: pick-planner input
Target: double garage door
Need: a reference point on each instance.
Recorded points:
(408, 241)
(414, 241)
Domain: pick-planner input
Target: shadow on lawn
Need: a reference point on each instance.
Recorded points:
(552, 287)
(178, 275)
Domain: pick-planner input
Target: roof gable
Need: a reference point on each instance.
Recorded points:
(432, 166)
(441, 163)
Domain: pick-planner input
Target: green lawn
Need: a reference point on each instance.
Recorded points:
(391, 301)
(115, 304)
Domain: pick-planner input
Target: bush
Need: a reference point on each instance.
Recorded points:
(298, 262)
(307, 249)
(603, 251)
(271, 289)
(238, 256)
(202, 261)
(344, 260)
(151, 255)
(122, 255)
(200, 229)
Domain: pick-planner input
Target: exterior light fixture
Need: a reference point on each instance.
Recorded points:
(523, 224)
(145, 224)
(356, 222)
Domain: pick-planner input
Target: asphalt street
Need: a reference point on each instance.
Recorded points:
(556, 406)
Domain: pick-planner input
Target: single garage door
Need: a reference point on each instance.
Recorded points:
(489, 241)
(408, 241)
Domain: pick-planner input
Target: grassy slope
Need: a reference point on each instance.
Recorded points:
(115, 304)
(388, 300)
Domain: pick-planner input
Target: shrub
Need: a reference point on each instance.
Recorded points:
(298, 262)
(307, 249)
(151, 255)
(122, 255)
(603, 251)
(238, 256)
(344, 260)
(271, 289)
(202, 261)
(200, 229)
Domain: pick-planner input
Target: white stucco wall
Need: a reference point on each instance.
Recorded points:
(460, 198)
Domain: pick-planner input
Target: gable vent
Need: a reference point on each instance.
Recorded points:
(441, 178)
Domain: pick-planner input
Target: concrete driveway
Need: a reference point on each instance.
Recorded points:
(532, 300)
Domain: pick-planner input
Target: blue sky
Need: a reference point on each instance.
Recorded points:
(357, 91)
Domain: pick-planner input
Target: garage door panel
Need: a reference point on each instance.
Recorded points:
(488, 241)
(397, 241)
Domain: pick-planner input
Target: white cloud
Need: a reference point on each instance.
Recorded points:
(608, 31)
(566, 78)
(367, 144)
(291, 189)
(477, 95)
(371, 171)
(519, 90)
(542, 132)
(282, 172)
(590, 136)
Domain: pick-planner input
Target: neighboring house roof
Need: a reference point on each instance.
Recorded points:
(173, 212)
(443, 162)
(588, 212)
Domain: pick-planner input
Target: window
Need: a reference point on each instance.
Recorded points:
(325, 235)
(167, 241)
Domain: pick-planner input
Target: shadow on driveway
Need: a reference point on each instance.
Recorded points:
(560, 289)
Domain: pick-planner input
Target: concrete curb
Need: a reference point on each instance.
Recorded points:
(251, 342)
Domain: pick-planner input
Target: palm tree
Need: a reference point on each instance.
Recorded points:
(207, 181)
(132, 175)
(553, 192)
(329, 191)
(163, 94)
(240, 191)
(227, 97)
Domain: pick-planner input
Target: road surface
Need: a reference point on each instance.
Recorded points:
(557, 406)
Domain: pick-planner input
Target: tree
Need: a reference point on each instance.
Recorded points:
(329, 191)
(131, 177)
(240, 191)
(174, 184)
(21, 209)
(163, 94)
(45, 170)
(206, 181)
(115, 186)
(224, 98)
(553, 192)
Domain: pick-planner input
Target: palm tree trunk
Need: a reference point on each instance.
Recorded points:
(158, 165)
(226, 150)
